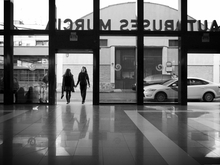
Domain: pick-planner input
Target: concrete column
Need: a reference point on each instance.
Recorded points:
(59, 69)
(164, 59)
(112, 71)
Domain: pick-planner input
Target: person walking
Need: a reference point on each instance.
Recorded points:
(83, 80)
(68, 85)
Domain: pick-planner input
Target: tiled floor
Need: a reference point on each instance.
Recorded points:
(110, 135)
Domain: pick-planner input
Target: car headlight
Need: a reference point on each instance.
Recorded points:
(150, 90)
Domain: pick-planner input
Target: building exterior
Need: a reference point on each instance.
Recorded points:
(118, 54)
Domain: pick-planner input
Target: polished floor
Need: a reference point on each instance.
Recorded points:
(76, 134)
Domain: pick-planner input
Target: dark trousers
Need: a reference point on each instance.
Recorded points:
(83, 89)
(68, 95)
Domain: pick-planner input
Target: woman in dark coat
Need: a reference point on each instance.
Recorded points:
(67, 85)
(83, 80)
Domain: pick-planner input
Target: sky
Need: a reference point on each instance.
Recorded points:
(36, 11)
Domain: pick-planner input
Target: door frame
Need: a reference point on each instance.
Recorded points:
(63, 41)
(74, 72)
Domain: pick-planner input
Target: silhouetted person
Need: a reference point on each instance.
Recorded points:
(20, 95)
(67, 85)
(29, 95)
(83, 81)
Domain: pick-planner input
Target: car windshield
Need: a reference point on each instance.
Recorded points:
(169, 82)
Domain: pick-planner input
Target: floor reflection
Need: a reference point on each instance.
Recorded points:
(109, 135)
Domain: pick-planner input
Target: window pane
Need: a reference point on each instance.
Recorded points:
(29, 14)
(118, 16)
(160, 66)
(203, 68)
(205, 17)
(1, 14)
(74, 15)
(160, 15)
(1, 68)
(118, 70)
(30, 69)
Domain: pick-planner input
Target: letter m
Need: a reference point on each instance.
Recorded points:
(106, 26)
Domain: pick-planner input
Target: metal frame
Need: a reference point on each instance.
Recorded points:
(95, 34)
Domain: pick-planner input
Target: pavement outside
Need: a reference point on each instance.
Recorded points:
(105, 97)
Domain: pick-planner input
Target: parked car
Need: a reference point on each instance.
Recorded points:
(154, 79)
(198, 88)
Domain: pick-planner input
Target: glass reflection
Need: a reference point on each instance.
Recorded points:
(160, 69)
(118, 15)
(1, 68)
(30, 69)
(117, 69)
(203, 77)
(203, 21)
(1, 15)
(171, 3)
(27, 15)
(161, 15)
(71, 16)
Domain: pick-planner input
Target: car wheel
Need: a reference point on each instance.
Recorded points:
(160, 97)
(208, 97)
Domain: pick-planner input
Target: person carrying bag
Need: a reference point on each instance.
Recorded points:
(67, 85)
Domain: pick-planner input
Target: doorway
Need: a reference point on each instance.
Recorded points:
(74, 60)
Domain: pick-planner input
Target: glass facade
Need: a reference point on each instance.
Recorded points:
(31, 69)
(31, 15)
(117, 69)
(205, 17)
(74, 15)
(108, 40)
(203, 76)
(1, 69)
(112, 17)
(1, 14)
(161, 15)
(160, 67)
